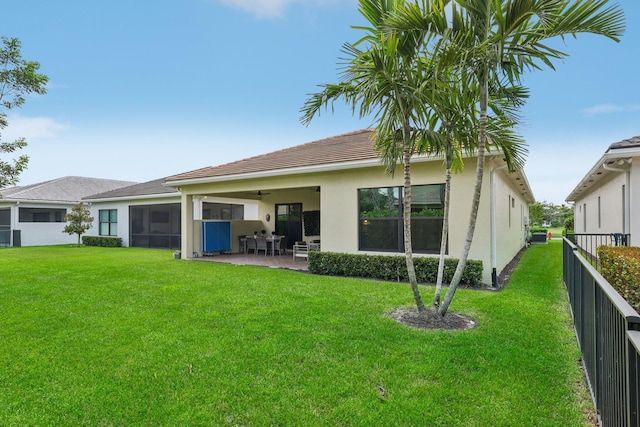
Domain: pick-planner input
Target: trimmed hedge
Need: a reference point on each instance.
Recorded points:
(105, 242)
(620, 265)
(391, 268)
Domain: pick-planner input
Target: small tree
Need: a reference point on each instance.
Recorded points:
(79, 220)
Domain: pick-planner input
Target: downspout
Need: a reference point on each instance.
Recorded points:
(494, 250)
(627, 193)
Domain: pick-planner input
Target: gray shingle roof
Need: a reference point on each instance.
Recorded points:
(66, 189)
(633, 142)
(143, 189)
(349, 147)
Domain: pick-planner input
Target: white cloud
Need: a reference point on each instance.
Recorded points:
(32, 128)
(260, 8)
(269, 9)
(597, 110)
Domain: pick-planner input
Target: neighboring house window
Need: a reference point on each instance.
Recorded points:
(222, 211)
(599, 214)
(584, 217)
(108, 222)
(380, 218)
(41, 215)
(5, 227)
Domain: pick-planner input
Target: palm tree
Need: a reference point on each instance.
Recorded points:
(456, 110)
(384, 80)
(503, 38)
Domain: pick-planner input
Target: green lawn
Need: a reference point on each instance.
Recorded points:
(130, 337)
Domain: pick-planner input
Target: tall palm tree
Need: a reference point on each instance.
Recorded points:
(383, 79)
(505, 38)
(496, 39)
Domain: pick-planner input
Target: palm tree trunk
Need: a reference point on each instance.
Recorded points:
(482, 142)
(445, 229)
(406, 222)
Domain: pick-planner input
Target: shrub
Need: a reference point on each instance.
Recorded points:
(391, 267)
(536, 229)
(620, 265)
(106, 242)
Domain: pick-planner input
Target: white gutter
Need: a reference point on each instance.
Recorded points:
(494, 249)
(626, 226)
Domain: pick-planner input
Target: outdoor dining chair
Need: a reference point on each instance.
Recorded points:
(261, 245)
(279, 246)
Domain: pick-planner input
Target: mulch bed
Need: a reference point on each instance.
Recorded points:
(431, 320)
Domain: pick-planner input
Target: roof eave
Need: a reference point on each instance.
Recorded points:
(139, 197)
(292, 171)
(611, 154)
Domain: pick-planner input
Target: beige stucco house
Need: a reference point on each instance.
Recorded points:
(359, 204)
(607, 199)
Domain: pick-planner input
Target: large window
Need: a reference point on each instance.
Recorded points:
(108, 222)
(155, 226)
(222, 211)
(41, 215)
(380, 218)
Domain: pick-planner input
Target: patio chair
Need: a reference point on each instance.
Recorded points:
(251, 245)
(279, 246)
(300, 250)
(261, 245)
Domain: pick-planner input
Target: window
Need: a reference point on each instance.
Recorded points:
(599, 214)
(41, 215)
(222, 211)
(380, 218)
(108, 222)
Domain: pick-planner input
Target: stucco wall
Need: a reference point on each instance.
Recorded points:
(600, 211)
(338, 203)
(41, 233)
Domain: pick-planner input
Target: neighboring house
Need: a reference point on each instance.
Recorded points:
(607, 200)
(33, 215)
(147, 215)
(360, 206)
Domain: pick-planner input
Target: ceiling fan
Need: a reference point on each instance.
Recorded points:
(260, 193)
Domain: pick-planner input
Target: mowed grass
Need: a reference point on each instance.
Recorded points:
(124, 337)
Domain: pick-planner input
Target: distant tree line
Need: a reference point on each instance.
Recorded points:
(543, 213)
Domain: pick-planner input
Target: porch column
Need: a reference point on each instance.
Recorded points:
(186, 225)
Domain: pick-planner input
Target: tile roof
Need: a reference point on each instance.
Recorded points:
(348, 147)
(66, 189)
(149, 188)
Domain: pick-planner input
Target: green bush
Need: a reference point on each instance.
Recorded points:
(391, 268)
(536, 229)
(620, 265)
(105, 242)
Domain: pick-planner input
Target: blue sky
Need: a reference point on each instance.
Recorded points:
(144, 89)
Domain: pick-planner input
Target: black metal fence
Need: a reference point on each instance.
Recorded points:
(588, 243)
(608, 332)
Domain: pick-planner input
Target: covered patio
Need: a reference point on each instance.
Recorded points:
(285, 261)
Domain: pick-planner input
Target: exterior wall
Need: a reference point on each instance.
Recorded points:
(634, 228)
(123, 214)
(338, 203)
(600, 211)
(40, 233)
(250, 212)
(512, 218)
